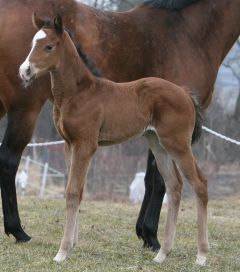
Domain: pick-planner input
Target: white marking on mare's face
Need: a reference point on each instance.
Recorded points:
(26, 67)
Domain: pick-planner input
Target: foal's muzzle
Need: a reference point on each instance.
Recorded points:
(26, 73)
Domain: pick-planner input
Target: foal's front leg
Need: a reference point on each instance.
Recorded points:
(68, 157)
(80, 159)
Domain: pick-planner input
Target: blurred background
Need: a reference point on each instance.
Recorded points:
(43, 170)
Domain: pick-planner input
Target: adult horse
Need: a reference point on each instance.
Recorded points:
(183, 41)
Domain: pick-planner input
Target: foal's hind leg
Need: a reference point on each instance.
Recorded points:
(173, 184)
(75, 240)
(193, 174)
(81, 155)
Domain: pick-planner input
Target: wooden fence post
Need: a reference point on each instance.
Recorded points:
(27, 163)
(44, 180)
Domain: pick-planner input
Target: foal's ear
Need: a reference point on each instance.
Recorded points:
(58, 24)
(38, 23)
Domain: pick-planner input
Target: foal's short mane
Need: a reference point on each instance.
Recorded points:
(168, 4)
(88, 61)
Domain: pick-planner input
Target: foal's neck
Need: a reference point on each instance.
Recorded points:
(71, 76)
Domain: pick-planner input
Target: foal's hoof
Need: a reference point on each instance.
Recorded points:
(201, 260)
(160, 257)
(60, 257)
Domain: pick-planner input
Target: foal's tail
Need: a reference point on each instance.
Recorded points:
(199, 119)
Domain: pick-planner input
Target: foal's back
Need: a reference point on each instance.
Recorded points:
(147, 96)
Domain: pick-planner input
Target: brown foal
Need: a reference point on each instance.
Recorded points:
(90, 111)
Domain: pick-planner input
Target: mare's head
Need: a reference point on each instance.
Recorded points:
(46, 49)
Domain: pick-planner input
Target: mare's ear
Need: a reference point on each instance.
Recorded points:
(38, 23)
(58, 24)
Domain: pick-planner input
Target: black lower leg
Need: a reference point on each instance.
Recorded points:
(22, 113)
(18, 134)
(152, 212)
(8, 168)
(151, 220)
(148, 192)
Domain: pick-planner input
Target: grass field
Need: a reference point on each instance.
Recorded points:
(107, 240)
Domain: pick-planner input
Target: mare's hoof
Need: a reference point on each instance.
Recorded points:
(20, 235)
(139, 233)
(154, 247)
(151, 242)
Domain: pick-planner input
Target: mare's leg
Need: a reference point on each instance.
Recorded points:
(174, 189)
(22, 111)
(149, 179)
(2, 110)
(80, 159)
(151, 220)
(18, 133)
(147, 223)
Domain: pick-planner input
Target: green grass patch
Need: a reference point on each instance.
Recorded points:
(107, 240)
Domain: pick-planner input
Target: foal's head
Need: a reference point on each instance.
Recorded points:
(46, 49)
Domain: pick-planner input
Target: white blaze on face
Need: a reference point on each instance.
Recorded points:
(25, 69)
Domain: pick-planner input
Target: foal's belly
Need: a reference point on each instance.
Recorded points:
(120, 131)
(105, 141)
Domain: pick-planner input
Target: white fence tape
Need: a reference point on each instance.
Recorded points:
(221, 136)
(45, 144)
(54, 171)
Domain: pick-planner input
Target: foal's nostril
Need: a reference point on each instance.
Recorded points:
(28, 71)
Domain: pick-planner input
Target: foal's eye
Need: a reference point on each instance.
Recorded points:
(49, 47)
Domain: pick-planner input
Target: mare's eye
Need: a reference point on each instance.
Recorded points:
(49, 48)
